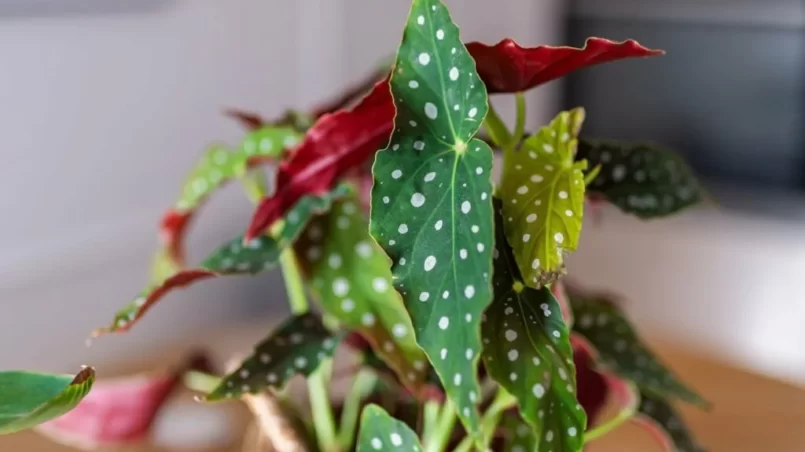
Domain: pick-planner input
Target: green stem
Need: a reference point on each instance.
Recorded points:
(361, 387)
(443, 430)
(317, 382)
(430, 415)
(200, 381)
(490, 420)
(496, 128)
(519, 126)
(601, 430)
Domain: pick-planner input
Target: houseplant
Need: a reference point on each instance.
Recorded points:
(396, 243)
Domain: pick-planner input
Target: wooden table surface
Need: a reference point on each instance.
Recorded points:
(751, 413)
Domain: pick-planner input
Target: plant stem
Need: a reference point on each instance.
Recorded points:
(490, 420)
(443, 429)
(519, 126)
(317, 382)
(612, 424)
(496, 128)
(361, 387)
(430, 414)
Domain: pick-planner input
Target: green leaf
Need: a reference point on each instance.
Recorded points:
(527, 351)
(517, 434)
(431, 199)
(352, 281)
(233, 258)
(379, 431)
(621, 351)
(666, 425)
(646, 181)
(28, 399)
(543, 199)
(219, 165)
(297, 347)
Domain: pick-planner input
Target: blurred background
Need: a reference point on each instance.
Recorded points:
(106, 104)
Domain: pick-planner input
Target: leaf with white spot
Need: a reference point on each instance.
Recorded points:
(218, 166)
(527, 351)
(666, 425)
(297, 347)
(621, 351)
(431, 200)
(233, 258)
(379, 431)
(543, 199)
(646, 181)
(352, 281)
(518, 436)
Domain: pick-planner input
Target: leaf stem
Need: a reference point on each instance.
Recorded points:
(519, 126)
(361, 387)
(440, 436)
(601, 430)
(317, 382)
(490, 420)
(496, 129)
(430, 414)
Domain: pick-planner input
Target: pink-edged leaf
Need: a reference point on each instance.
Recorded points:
(506, 67)
(621, 350)
(118, 411)
(233, 258)
(297, 347)
(666, 425)
(559, 292)
(352, 282)
(336, 144)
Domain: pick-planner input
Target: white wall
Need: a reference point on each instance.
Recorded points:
(104, 106)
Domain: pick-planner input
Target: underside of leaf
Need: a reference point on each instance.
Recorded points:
(508, 68)
(527, 351)
(351, 280)
(233, 258)
(666, 425)
(543, 199)
(296, 348)
(646, 181)
(620, 350)
(28, 399)
(431, 201)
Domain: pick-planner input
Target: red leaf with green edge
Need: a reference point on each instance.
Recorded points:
(233, 258)
(118, 411)
(508, 68)
(598, 388)
(218, 166)
(431, 201)
(527, 351)
(379, 431)
(621, 351)
(335, 144)
(352, 281)
(543, 199)
(666, 425)
(644, 180)
(297, 347)
(28, 399)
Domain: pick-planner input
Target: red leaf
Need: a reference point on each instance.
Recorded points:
(118, 411)
(335, 144)
(508, 68)
(171, 233)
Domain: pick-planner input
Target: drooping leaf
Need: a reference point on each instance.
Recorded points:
(646, 181)
(118, 411)
(217, 167)
(666, 425)
(543, 199)
(28, 399)
(233, 258)
(379, 431)
(527, 351)
(297, 347)
(508, 68)
(431, 201)
(621, 350)
(335, 145)
(518, 436)
(352, 281)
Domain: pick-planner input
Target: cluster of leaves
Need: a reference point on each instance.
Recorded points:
(445, 282)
